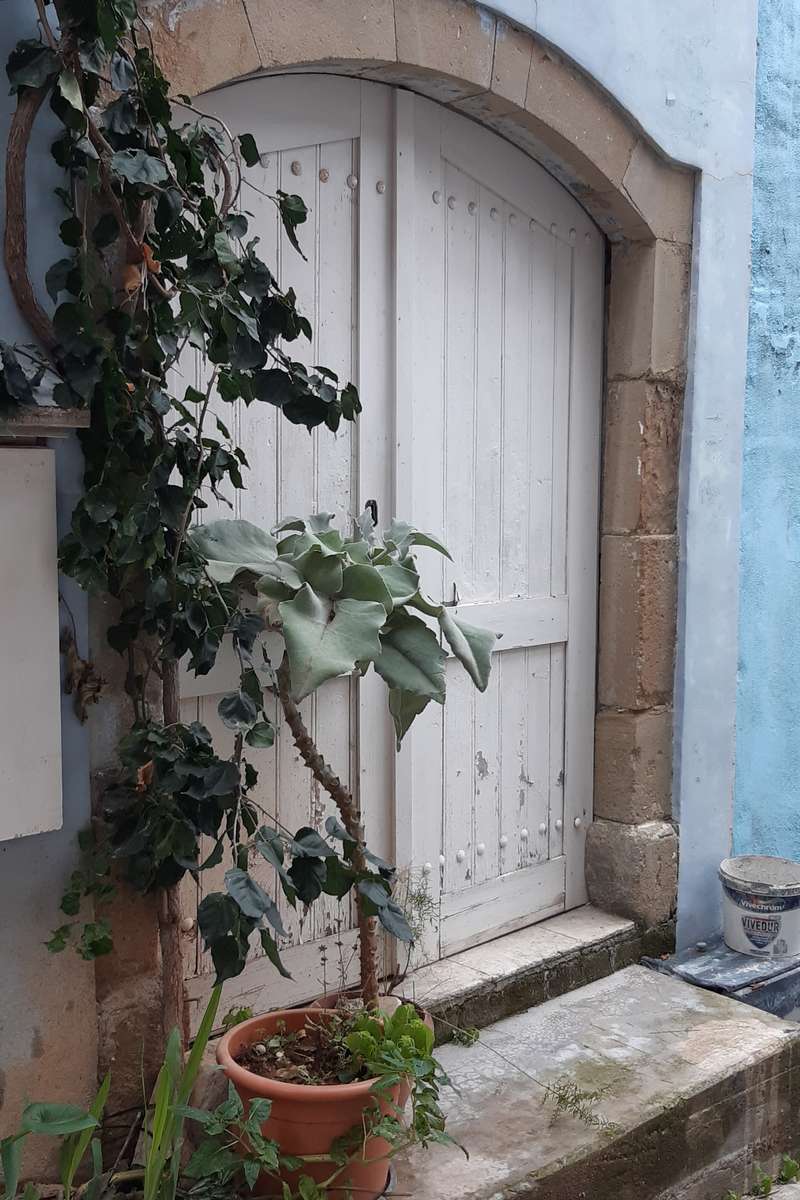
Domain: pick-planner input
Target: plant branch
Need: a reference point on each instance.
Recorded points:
(351, 819)
(173, 1008)
(29, 101)
(45, 24)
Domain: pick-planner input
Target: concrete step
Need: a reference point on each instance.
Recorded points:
(695, 1089)
(511, 973)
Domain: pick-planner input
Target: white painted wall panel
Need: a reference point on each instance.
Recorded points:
(30, 685)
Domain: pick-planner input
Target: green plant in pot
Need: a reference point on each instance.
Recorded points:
(334, 602)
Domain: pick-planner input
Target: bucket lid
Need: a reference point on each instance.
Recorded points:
(761, 874)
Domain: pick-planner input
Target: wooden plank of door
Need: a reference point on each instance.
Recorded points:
(556, 227)
(295, 460)
(582, 551)
(375, 366)
(502, 905)
(419, 454)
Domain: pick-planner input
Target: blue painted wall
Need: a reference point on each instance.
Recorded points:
(767, 798)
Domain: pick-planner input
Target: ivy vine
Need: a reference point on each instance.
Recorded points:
(159, 261)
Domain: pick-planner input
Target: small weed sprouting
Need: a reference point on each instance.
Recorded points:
(567, 1097)
(763, 1183)
(235, 1016)
(790, 1169)
(465, 1037)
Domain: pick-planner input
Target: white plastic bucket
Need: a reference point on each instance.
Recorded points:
(761, 905)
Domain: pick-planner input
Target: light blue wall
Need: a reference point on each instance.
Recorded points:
(767, 799)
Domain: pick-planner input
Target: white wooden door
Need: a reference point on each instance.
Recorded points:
(461, 287)
(499, 402)
(317, 139)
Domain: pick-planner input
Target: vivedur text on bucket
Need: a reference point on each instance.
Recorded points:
(761, 905)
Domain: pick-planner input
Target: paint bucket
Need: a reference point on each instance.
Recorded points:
(761, 905)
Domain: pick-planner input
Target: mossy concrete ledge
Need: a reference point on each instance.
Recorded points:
(476, 987)
(696, 1088)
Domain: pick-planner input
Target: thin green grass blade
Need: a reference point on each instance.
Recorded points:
(77, 1145)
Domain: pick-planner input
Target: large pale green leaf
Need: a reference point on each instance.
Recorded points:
(404, 707)
(362, 582)
(401, 582)
(404, 536)
(323, 642)
(231, 547)
(321, 569)
(471, 646)
(411, 658)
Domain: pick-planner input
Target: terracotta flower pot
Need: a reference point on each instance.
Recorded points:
(307, 1118)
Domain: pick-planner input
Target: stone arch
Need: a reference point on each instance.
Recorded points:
(510, 80)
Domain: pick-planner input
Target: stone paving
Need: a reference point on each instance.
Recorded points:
(697, 1086)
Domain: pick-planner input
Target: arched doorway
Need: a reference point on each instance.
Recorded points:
(462, 288)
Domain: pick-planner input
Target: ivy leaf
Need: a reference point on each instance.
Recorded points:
(350, 402)
(31, 64)
(411, 659)
(56, 278)
(261, 736)
(471, 646)
(226, 255)
(252, 899)
(123, 76)
(15, 381)
(237, 711)
(92, 57)
(404, 707)
(270, 948)
(106, 231)
(70, 90)
(71, 232)
(321, 645)
(249, 149)
(59, 939)
(137, 166)
(121, 116)
(293, 213)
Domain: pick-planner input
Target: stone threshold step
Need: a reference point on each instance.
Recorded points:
(696, 1089)
(508, 975)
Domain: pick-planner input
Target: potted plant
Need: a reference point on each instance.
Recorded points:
(340, 602)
